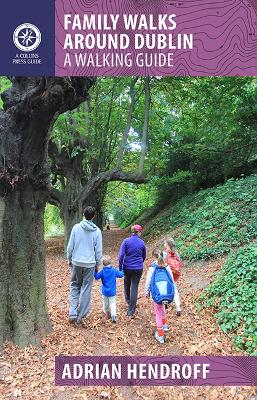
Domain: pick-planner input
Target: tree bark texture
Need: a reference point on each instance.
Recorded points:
(23, 312)
(31, 106)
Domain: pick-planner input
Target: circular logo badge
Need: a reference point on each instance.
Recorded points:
(27, 37)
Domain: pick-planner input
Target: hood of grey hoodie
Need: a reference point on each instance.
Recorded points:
(85, 248)
(88, 225)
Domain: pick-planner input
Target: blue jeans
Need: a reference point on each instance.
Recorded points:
(80, 291)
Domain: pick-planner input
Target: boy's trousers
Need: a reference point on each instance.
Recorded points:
(109, 304)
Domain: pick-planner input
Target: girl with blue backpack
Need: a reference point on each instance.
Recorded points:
(160, 283)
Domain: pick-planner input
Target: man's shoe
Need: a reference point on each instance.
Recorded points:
(79, 322)
(114, 319)
(165, 328)
(72, 319)
(159, 339)
(178, 313)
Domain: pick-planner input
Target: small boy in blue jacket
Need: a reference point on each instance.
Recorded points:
(108, 276)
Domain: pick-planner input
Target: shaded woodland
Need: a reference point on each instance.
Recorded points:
(120, 144)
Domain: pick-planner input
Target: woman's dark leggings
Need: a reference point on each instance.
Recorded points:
(131, 281)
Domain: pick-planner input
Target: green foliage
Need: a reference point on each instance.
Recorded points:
(4, 84)
(94, 129)
(233, 299)
(212, 221)
(210, 133)
(52, 221)
(177, 178)
(126, 201)
(202, 131)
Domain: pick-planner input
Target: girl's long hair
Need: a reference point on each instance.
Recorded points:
(170, 242)
(158, 255)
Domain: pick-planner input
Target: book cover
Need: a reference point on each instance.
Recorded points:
(128, 199)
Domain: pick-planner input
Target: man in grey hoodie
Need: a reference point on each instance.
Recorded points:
(84, 252)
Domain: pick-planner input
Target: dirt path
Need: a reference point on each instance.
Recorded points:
(29, 373)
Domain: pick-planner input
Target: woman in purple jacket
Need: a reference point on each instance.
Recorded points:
(132, 255)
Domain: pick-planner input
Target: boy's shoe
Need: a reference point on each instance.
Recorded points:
(159, 339)
(165, 328)
(114, 319)
(178, 313)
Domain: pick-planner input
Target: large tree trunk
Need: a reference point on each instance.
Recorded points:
(23, 315)
(96, 199)
(71, 213)
(30, 108)
(72, 206)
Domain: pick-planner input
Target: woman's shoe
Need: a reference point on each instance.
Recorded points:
(165, 328)
(178, 313)
(131, 315)
(159, 339)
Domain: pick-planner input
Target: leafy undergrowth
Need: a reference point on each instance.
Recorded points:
(233, 297)
(212, 221)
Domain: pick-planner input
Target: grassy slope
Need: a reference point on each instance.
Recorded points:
(211, 223)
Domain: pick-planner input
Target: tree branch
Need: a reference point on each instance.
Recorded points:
(55, 197)
(105, 177)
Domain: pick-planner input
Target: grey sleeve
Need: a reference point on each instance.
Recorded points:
(70, 246)
(98, 248)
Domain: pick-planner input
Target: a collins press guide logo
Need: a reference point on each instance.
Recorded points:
(27, 37)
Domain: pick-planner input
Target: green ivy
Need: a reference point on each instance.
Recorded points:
(233, 298)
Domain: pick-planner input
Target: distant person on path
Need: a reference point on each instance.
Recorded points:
(172, 259)
(132, 255)
(164, 291)
(108, 276)
(84, 252)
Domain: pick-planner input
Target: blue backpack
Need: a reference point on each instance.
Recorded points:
(161, 286)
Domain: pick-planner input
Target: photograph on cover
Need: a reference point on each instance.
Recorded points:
(128, 218)
(128, 227)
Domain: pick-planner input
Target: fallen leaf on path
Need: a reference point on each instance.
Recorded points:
(17, 393)
(105, 395)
